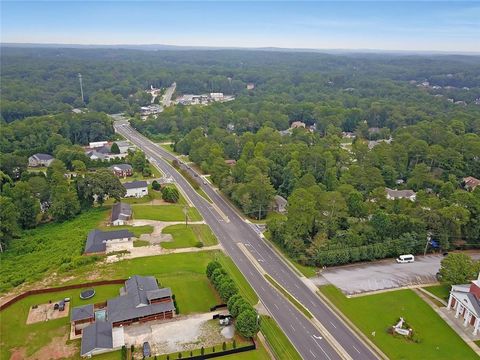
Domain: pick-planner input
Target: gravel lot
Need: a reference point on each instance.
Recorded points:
(385, 274)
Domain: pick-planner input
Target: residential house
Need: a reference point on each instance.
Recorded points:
(121, 213)
(136, 189)
(122, 170)
(297, 124)
(230, 162)
(465, 301)
(95, 155)
(401, 194)
(250, 86)
(40, 160)
(98, 240)
(373, 143)
(101, 325)
(279, 204)
(470, 183)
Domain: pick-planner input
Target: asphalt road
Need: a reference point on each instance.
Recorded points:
(384, 274)
(307, 339)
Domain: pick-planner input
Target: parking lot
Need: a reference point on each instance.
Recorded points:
(384, 274)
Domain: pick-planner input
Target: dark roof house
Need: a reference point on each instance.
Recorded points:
(82, 313)
(121, 212)
(97, 337)
(97, 239)
(135, 184)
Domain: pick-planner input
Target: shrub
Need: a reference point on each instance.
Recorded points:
(199, 244)
(211, 267)
(234, 344)
(218, 276)
(179, 355)
(155, 185)
(246, 323)
(202, 351)
(227, 289)
(224, 346)
(232, 301)
(241, 303)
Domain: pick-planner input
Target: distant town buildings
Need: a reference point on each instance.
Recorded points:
(203, 99)
(40, 159)
(250, 86)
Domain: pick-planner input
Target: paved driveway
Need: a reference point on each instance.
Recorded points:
(385, 274)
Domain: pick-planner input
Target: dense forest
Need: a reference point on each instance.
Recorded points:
(412, 123)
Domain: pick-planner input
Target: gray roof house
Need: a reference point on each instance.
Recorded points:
(82, 313)
(40, 160)
(97, 239)
(279, 204)
(140, 300)
(401, 194)
(97, 338)
(136, 188)
(121, 212)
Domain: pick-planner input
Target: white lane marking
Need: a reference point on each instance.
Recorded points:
(276, 306)
(328, 357)
(333, 325)
(292, 327)
(317, 337)
(356, 349)
(311, 352)
(260, 260)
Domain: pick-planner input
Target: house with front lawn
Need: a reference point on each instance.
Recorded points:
(464, 300)
(136, 189)
(98, 240)
(101, 325)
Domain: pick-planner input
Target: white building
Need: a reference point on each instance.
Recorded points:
(97, 144)
(40, 160)
(465, 301)
(136, 189)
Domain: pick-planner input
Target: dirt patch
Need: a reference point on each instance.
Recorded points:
(18, 354)
(45, 312)
(181, 334)
(56, 349)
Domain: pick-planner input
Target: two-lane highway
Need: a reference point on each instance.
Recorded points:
(231, 229)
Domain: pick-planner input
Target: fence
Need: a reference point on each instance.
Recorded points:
(56, 289)
(251, 347)
(213, 308)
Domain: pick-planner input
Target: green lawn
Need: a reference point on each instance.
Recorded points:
(279, 343)
(137, 175)
(189, 236)
(164, 212)
(376, 313)
(140, 243)
(44, 249)
(442, 291)
(136, 230)
(39, 334)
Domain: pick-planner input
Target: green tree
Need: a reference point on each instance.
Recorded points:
(64, 203)
(99, 185)
(170, 194)
(458, 268)
(211, 267)
(115, 149)
(27, 206)
(246, 323)
(8, 222)
(227, 289)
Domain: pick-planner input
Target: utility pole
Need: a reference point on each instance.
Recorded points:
(81, 86)
(185, 211)
(429, 237)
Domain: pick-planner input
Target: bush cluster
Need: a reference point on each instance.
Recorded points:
(246, 317)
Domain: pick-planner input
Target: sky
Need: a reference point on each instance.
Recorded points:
(452, 26)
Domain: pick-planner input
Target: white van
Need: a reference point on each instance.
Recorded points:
(402, 259)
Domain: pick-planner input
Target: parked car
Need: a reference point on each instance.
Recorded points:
(403, 259)
(61, 305)
(146, 350)
(55, 307)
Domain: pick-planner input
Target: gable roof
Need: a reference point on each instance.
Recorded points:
(96, 240)
(400, 194)
(42, 157)
(82, 312)
(280, 200)
(96, 336)
(121, 211)
(462, 293)
(121, 167)
(135, 184)
(471, 182)
(135, 303)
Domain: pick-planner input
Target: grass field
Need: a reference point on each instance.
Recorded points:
(376, 313)
(442, 291)
(183, 273)
(139, 176)
(40, 334)
(164, 212)
(46, 248)
(189, 236)
(279, 343)
(135, 230)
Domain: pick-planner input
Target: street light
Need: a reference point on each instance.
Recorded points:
(185, 211)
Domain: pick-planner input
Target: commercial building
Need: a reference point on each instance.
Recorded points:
(465, 301)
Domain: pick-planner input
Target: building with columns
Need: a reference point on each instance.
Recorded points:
(465, 301)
